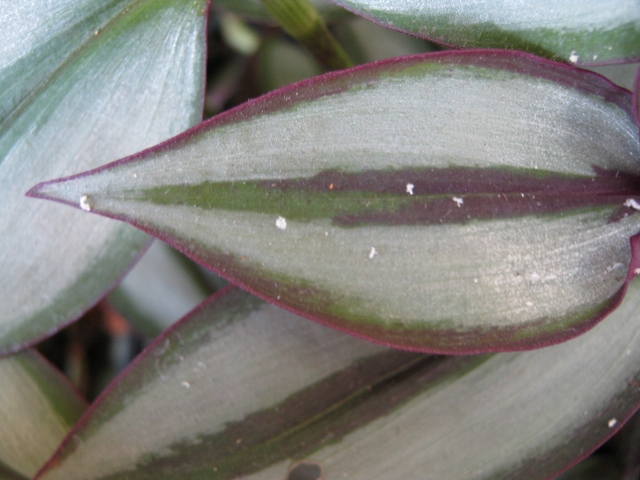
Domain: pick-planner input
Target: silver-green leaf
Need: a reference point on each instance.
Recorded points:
(82, 83)
(452, 202)
(241, 389)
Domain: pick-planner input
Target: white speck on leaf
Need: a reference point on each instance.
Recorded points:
(573, 58)
(410, 188)
(281, 223)
(637, 271)
(372, 253)
(459, 201)
(529, 304)
(612, 423)
(632, 203)
(186, 384)
(85, 203)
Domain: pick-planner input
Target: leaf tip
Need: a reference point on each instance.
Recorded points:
(38, 191)
(56, 191)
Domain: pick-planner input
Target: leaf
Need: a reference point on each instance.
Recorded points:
(187, 368)
(454, 202)
(38, 407)
(241, 389)
(82, 83)
(585, 33)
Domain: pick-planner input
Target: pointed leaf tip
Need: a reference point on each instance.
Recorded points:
(339, 199)
(52, 190)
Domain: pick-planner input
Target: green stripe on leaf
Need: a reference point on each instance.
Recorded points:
(411, 196)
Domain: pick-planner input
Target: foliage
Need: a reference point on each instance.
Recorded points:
(468, 201)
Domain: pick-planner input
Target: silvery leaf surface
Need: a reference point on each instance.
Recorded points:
(235, 368)
(242, 389)
(82, 83)
(454, 202)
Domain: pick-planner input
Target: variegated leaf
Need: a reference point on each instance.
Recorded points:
(452, 202)
(241, 389)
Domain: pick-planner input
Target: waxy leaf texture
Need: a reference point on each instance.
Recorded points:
(454, 202)
(82, 82)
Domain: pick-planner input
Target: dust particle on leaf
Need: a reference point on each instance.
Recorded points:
(85, 203)
(281, 223)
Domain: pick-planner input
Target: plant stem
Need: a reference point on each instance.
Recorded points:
(301, 20)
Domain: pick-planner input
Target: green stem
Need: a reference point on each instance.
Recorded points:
(301, 20)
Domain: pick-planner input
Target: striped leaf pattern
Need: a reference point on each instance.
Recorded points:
(452, 202)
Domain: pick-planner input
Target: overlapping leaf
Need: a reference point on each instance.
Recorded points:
(455, 202)
(586, 32)
(37, 409)
(242, 389)
(82, 83)
(181, 397)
